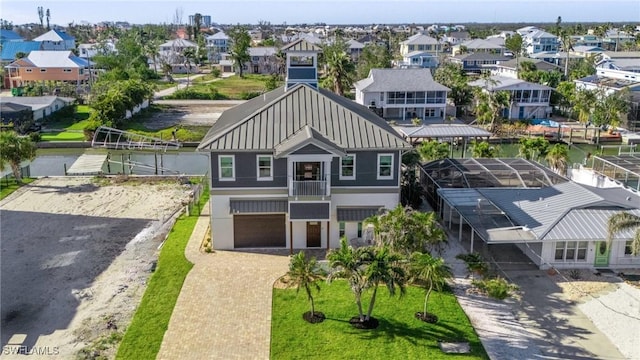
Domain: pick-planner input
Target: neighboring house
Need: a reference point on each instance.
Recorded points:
(478, 46)
(43, 65)
(527, 100)
(217, 44)
(171, 51)
(509, 68)
(299, 167)
(88, 51)
(403, 94)
(586, 40)
(40, 106)
(16, 115)
(263, 60)
(615, 39)
(418, 59)
(478, 62)
(355, 49)
(555, 222)
(524, 30)
(9, 36)
(420, 42)
(12, 48)
(557, 58)
(586, 50)
(457, 37)
(538, 41)
(56, 40)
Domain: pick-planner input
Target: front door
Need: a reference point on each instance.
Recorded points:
(313, 234)
(602, 254)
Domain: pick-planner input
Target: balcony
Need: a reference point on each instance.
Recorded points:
(309, 188)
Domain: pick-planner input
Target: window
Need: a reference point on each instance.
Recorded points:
(66, 70)
(226, 168)
(348, 168)
(385, 166)
(571, 251)
(627, 248)
(341, 225)
(29, 70)
(359, 229)
(265, 167)
(43, 70)
(430, 112)
(301, 61)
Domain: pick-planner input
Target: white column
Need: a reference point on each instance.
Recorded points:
(472, 233)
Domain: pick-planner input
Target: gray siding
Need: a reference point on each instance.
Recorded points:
(301, 74)
(366, 170)
(309, 211)
(246, 172)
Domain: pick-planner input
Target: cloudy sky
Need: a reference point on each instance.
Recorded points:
(327, 11)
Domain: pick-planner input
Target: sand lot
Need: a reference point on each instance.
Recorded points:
(76, 256)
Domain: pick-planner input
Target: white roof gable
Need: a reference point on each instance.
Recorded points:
(44, 58)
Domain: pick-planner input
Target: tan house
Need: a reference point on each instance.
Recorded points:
(47, 66)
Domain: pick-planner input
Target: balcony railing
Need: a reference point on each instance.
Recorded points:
(309, 188)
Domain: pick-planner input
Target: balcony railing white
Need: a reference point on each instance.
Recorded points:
(309, 188)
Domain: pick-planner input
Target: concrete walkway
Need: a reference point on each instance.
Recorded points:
(224, 308)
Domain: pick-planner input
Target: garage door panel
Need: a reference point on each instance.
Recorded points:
(259, 231)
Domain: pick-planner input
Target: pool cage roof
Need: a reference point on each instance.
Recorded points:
(495, 172)
(622, 168)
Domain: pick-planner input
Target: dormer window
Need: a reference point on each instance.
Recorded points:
(301, 61)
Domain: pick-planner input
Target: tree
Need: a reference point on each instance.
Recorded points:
(533, 148)
(583, 104)
(347, 263)
(483, 149)
(433, 150)
(490, 106)
(582, 68)
(515, 44)
(306, 274)
(189, 55)
(453, 76)
(41, 16)
(373, 56)
(624, 221)
(15, 149)
(432, 273)
(567, 46)
(558, 158)
(410, 188)
(383, 267)
(405, 230)
(566, 91)
(48, 18)
(608, 108)
(240, 42)
(339, 68)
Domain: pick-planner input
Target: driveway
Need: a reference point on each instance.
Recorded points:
(224, 308)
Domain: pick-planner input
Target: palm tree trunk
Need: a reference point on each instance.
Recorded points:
(15, 168)
(310, 297)
(373, 301)
(359, 303)
(426, 298)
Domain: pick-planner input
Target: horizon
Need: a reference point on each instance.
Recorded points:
(331, 12)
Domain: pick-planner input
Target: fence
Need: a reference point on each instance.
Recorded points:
(8, 178)
(194, 207)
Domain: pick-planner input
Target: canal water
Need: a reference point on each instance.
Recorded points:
(52, 162)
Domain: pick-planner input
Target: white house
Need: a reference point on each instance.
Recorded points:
(403, 94)
(56, 40)
(217, 44)
(528, 100)
(420, 42)
(537, 41)
(42, 106)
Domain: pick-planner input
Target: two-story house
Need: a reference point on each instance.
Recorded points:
(262, 60)
(217, 44)
(403, 94)
(421, 42)
(43, 65)
(527, 100)
(299, 167)
(56, 40)
(172, 51)
(538, 41)
(477, 62)
(478, 46)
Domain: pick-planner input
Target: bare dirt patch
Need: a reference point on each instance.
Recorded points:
(76, 257)
(582, 285)
(188, 113)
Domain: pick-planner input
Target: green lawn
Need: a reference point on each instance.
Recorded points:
(400, 335)
(143, 337)
(9, 185)
(231, 88)
(75, 122)
(63, 136)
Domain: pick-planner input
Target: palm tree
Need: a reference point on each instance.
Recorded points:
(625, 221)
(583, 103)
(490, 106)
(515, 44)
(306, 274)
(567, 46)
(189, 55)
(533, 148)
(339, 68)
(483, 149)
(433, 150)
(15, 149)
(347, 263)
(384, 267)
(558, 158)
(432, 273)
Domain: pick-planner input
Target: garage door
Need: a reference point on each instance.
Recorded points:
(259, 231)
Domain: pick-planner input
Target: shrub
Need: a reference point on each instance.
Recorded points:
(497, 288)
(35, 137)
(191, 94)
(475, 263)
(215, 72)
(247, 95)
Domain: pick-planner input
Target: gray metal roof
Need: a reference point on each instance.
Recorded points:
(480, 56)
(441, 131)
(357, 214)
(307, 135)
(264, 122)
(540, 64)
(301, 45)
(587, 224)
(541, 209)
(498, 82)
(419, 39)
(252, 206)
(380, 80)
(480, 44)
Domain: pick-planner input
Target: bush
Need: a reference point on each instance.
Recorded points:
(190, 94)
(249, 95)
(497, 288)
(475, 263)
(215, 72)
(35, 137)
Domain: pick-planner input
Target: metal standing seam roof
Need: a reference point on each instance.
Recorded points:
(420, 39)
(252, 206)
(54, 35)
(306, 135)
(301, 45)
(480, 44)
(383, 80)
(630, 162)
(587, 224)
(266, 121)
(11, 48)
(357, 213)
(507, 83)
(442, 131)
(54, 59)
